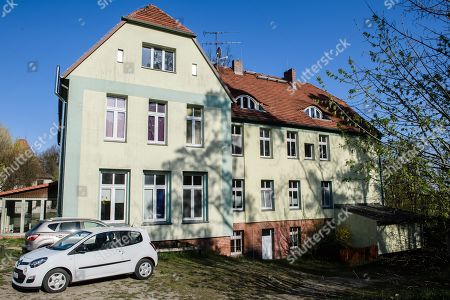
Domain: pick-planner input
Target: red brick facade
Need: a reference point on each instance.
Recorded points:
(252, 233)
(220, 245)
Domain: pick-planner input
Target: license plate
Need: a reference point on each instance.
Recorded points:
(15, 275)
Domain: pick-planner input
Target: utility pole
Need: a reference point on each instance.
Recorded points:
(217, 43)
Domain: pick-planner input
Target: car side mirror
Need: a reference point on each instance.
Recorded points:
(82, 249)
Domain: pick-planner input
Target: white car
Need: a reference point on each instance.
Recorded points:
(87, 254)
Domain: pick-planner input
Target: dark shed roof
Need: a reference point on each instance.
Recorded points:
(383, 215)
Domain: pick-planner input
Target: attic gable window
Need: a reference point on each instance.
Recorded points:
(158, 58)
(247, 102)
(314, 112)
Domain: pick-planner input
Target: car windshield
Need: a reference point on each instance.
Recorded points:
(70, 240)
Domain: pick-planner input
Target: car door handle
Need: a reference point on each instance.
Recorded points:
(60, 236)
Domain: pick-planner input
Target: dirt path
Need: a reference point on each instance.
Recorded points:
(210, 277)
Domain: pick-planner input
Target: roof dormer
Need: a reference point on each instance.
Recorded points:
(314, 113)
(248, 102)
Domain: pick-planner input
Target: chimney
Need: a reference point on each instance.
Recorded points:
(290, 75)
(238, 67)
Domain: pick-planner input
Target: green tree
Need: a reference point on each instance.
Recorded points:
(49, 161)
(404, 93)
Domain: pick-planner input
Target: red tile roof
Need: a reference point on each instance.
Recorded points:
(25, 189)
(282, 104)
(150, 15)
(154, 16)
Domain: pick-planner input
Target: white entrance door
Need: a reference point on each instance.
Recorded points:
(267, 243)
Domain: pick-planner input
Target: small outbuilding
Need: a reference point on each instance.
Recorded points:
(390, 229)
(22, 208)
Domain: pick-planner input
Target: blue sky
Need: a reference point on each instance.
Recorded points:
(275, 36)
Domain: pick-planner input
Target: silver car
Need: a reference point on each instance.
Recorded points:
(47, 232)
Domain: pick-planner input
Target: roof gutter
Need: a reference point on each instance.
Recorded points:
(62, 92)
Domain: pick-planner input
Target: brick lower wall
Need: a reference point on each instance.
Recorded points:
(252, 238)
(281, 229)
(220, 245)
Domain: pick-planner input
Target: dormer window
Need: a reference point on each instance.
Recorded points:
(314, 112)
(247, 102)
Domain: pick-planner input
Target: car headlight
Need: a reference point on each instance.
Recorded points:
(37, 262)
(19, 261)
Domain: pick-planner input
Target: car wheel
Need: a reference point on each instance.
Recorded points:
(56, 281)
(144, 269)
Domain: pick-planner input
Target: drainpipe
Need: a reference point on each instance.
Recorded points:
(62, 139)
(380, 167)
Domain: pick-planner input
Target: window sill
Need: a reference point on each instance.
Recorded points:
(294, 208)
(156, 144)
(267, 209)
(306, 158)
(115, 223)
(238, 209)
(237, 155)
(266, 157)
(322, 159)
(165, 71)
(150, 223)
(292, 157)
(194, 222)
(114, 141)
(194, 146)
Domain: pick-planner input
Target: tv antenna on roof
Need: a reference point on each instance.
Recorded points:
(217, 44)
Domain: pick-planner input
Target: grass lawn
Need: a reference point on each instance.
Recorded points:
(417, 275)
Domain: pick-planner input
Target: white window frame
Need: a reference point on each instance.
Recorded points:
(294, 231)
(263, 139)
(157, 115)
(267, 191)
(235, 136)
(326, 185)
(240, 101)
(237, 236)
(195, 119)
(163, 58)
(313, 112)
(113, 187)
(154, 188)
(120, 55)
(289, 141)
(294, 186)
(236, 189)
(116, 110)
(194, 188)
(194, 70)
(323, 144)
(312, 157)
